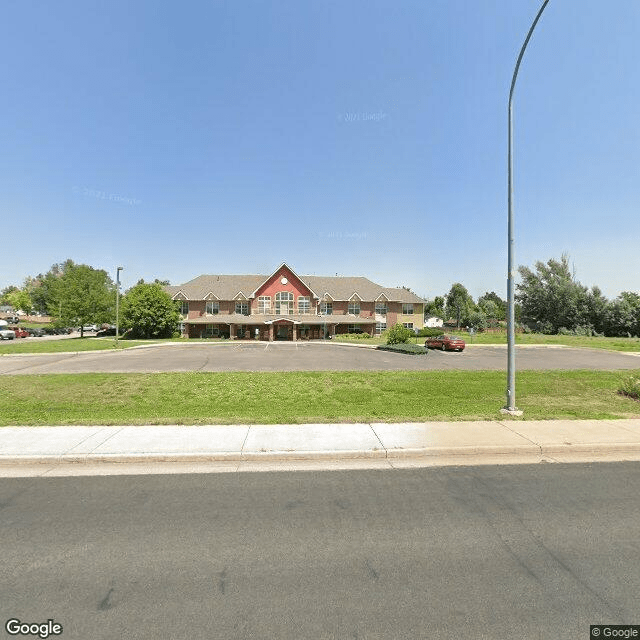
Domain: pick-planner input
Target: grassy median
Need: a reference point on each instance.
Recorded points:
(296, 397)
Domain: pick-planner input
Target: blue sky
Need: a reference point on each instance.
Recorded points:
(359, 138)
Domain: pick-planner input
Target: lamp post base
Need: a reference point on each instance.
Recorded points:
(511, 412)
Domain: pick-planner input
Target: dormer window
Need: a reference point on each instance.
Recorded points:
(242, 307)
(354, 307)
(326, 308)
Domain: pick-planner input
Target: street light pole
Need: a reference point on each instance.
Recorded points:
(118, 270)
(511, 335)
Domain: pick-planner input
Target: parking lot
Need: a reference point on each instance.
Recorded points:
(286, 356)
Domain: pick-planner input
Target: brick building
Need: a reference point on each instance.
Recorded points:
(285, 306)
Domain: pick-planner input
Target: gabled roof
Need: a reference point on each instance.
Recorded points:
(338, 288)
(288, 268)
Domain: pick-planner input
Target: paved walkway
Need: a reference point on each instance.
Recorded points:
(71, 450)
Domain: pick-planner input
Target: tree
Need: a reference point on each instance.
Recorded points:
(622, 316)
(20, 299)
(149, 312)
(84, 295)
(551, 298)
(4, 294)
(434, 307)
(459, 304)
(493, 306)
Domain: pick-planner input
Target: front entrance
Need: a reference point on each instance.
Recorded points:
(284, 332)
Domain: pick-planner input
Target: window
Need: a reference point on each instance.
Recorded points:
(184, 308)
(407, 309)
(381, 308)
(380, 327)
(212, 308)
(284, 302)
(304, 304)
(212, 331)
(326, 308)
(242, 307)
(354, 307)
(407, 325)
(355, 328)
(264, 304)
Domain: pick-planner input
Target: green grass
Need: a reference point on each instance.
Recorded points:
(297, 397)
(612, 344)
(39, 345)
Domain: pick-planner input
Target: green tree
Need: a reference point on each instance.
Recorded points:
(4, 294)
(84, 295)
(551, 298)
(459, 304)
(149, 312)
(493, 306)
(478, 320)
(434, 307)
(20, 299)
(622, 316)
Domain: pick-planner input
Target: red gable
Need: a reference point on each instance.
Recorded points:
(283, 280)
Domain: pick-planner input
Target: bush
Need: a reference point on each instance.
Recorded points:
(347, 337)
(414, 349)
(430, 332)
(399, 334)
(630, 387)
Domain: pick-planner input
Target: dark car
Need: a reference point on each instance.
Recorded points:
(111, 331)
(446, 343)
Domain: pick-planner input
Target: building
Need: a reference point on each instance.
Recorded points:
(285, 306)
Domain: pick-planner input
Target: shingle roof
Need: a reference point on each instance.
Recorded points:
(227, 287)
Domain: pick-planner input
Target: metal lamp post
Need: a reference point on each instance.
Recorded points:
(511, 335)
(118, 270)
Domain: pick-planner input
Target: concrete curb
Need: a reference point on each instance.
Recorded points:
(529, 453)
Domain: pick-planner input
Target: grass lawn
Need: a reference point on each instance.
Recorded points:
(38, 345)
(612, 344)
(296, 397)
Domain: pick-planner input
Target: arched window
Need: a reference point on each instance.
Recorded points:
(284, 303)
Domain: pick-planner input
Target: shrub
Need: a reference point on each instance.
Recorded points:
(630, 387)
(348, 337)
(410, 347)
(399, 334)
(430, 332)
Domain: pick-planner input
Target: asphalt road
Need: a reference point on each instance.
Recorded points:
(475, 552)
(307, 357)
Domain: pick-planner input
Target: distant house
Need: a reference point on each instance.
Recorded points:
(286, 306)
(433, 321)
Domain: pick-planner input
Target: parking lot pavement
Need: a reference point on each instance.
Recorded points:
(260, 356)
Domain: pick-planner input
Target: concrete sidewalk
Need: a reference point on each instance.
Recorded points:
(72, 450)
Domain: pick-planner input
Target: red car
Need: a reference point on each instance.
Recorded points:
(446, 343)
(20, 333)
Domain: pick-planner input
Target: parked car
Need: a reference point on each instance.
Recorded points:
(106, 332)
(446, 343)
(89, 327)
(5, 332)
(20, 333)
(36, 332)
